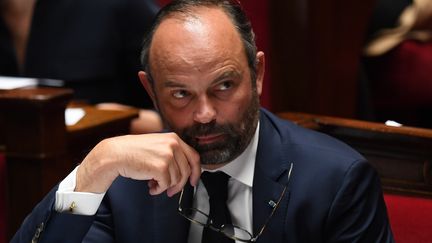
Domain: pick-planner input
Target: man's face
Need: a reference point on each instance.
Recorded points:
(202, 84)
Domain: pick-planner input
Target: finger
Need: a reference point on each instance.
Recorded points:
(152, 183)
(185, 172)
(162, 177)
(153, 187)
(156, 188)
(172, 191)
(194, 162)
(174, 171)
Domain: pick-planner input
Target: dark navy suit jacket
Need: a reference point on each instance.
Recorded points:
(333, 196)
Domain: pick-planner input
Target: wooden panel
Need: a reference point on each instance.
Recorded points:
(401, 155)
(31, 120)
(96, 125)
(40, 150)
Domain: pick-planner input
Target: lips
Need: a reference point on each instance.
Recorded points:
(209, 138)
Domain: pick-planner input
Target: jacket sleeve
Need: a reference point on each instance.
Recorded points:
(44, 224)
(358, 212)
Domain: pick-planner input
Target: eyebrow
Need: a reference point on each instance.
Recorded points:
(224, 75)
(173, 84)
(227, 74)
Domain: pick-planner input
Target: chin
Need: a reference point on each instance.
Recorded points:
(217, 157)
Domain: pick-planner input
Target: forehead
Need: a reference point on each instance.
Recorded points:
(205, 36)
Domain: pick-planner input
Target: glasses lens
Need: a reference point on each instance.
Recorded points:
(236, 232)
(195, 215)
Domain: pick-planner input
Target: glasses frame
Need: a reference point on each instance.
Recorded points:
(220, 229)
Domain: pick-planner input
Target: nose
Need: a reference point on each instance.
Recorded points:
(205, 111)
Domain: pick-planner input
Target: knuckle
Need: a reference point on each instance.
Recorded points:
(173, 143)
(174, 135)
(195, 160)
(167, 155)
(162, 166)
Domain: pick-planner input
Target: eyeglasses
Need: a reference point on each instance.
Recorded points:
(231, 231)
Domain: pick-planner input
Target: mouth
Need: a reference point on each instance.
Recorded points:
(209, 138)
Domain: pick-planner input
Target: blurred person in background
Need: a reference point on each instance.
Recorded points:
(397, 59)
(92, 46)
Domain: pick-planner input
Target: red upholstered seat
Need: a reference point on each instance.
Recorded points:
(2, 198)
(405, 75)
(401, 84)
(410, 218)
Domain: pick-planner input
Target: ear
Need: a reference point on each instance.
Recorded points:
(148, 86)
(260, 71)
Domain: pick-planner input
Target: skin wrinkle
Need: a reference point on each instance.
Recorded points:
(227, 74)
(207, 46)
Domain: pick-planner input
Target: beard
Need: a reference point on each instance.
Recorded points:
(236, 136)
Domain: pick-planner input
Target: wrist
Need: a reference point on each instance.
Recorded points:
(97, 172)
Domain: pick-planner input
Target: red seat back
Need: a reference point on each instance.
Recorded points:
(410, 218)
(2, 198)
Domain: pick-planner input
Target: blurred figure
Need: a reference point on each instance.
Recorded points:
(91, 45)
(398, 57)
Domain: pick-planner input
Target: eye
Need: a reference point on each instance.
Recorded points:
(180, 94)
(225, 85)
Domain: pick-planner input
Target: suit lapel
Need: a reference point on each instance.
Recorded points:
(270, 179)
(169, 225)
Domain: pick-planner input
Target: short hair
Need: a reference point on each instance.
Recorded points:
(184, 7)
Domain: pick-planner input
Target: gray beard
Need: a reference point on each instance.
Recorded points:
(237, 137)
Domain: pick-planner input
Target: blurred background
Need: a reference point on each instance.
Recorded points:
(363, 59)
(317, 63)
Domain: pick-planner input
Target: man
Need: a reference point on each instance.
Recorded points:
(286, 184)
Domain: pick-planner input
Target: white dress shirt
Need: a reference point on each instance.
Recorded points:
(239, 200)
(83, 203)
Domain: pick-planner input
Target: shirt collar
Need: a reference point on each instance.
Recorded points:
(242, 168)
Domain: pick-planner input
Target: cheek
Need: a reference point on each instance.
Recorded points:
(175, 117)
(234, 109)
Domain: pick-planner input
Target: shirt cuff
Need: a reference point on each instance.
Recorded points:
(81, 203)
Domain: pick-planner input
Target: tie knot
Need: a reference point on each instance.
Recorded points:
(216, 184)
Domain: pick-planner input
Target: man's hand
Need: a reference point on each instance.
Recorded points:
(163, 159)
